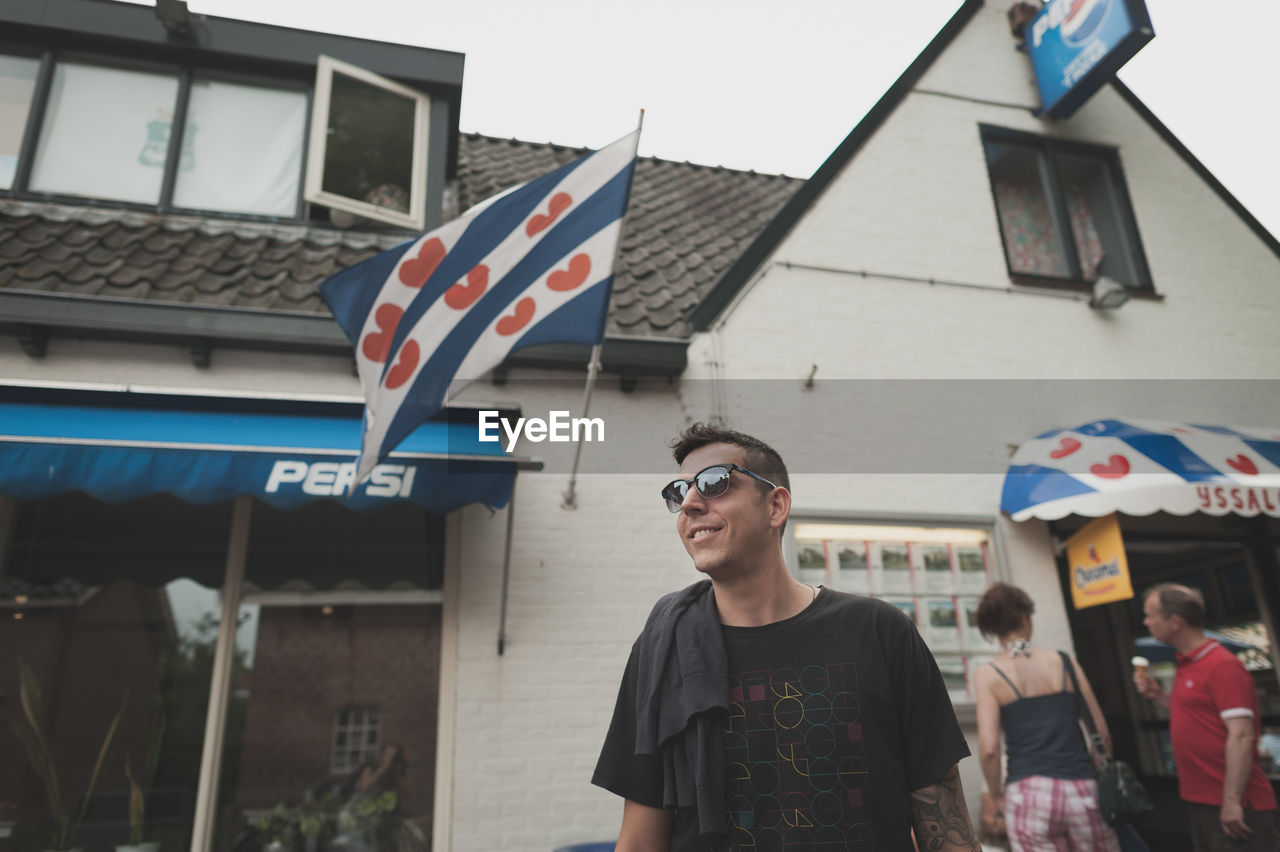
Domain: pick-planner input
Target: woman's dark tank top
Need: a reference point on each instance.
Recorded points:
(1042, 735)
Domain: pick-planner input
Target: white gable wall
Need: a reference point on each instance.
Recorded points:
(916, 201)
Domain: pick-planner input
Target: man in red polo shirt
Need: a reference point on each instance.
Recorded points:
(1214, 726)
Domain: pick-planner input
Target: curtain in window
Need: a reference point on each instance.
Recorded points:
(106, 133)
(242, 149)
(1031, 238)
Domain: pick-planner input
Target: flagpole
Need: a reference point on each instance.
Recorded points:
(593, 369)
(506, 570)
(593, 365)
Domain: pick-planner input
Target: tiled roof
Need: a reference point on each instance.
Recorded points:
(685, 226)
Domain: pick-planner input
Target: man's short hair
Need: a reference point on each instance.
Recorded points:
(1002, 608)
(760, 458)
(1182, 601)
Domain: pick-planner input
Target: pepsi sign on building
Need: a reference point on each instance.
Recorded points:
(1077, 45)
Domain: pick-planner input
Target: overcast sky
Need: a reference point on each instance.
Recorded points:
(773, 86)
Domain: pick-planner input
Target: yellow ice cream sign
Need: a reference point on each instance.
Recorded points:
(1099, 569)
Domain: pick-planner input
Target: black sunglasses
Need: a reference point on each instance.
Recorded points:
(711, 482)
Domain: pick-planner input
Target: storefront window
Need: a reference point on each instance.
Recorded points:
(116, 609)
(124, 648)
(94, 603)
(933, 574)
(338, 734)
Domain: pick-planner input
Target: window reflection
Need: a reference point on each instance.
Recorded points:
(143, 652)
(337, 644)
(337, 737)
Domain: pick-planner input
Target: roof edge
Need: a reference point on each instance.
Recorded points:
(1198, 167)
(130, 23)
(768, 239)
(237, 327)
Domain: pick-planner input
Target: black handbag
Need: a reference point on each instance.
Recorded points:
(1121, 796)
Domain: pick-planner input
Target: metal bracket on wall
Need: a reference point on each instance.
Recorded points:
(34, 340)
(201, 349)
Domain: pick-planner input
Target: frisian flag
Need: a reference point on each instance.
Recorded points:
(535, 266)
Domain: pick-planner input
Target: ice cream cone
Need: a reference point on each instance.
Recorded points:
(1140, 664)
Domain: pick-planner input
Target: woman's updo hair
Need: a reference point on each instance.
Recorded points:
(1002, 608)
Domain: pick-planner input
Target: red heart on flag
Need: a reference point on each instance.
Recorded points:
(415, 271)
(524, 312)
(559, 203)
(1244, 464)
(376, 344)
(462, 296)
(1066, 447)
(567, 279)
(403, 370)
(1116, 467)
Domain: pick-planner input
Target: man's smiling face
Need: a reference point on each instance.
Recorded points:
(727, 534)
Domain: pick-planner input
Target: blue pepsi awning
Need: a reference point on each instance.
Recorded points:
(1138, 467)
(119, 453)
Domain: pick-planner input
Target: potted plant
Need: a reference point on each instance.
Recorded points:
(275, 828)
(137, 815)
(30, 731)
(359, 820)
(317, 819)
(137, 790)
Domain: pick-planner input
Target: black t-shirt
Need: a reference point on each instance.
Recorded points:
(836, 714)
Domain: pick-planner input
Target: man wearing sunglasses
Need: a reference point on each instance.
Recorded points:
(757, 712)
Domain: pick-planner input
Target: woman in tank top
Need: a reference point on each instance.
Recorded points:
(1049, 797)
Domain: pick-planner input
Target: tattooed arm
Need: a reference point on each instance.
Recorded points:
(940, 817)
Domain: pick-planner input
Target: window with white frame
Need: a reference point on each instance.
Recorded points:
(104, 129)
(356, 736)
(1065, 216)
(368, 145)
(935, 575)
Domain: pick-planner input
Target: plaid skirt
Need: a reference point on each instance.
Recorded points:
(1056, 815)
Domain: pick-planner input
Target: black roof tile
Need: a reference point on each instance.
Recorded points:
(92, 285)
(685, 223)
(138, 290)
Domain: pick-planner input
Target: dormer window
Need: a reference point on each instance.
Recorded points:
(108, 133)
(17, 86)
(182, 139)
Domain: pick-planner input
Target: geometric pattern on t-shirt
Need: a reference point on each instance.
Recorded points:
(797, 772)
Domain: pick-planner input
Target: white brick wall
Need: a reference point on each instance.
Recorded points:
(531, 722)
